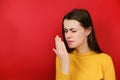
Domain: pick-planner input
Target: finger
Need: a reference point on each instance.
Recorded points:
(61, 48)
(56, 42)
(59, 40)
(55, 51)
(60, 45)
(63, 45)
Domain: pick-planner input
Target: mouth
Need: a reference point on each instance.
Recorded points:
(70, 42)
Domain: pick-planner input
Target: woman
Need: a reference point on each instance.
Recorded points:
(79, 57)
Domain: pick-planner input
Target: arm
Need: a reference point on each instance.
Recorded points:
(108, 69)
(62, 60)
(60, 75)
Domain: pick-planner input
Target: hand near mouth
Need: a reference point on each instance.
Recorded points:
(62, 54)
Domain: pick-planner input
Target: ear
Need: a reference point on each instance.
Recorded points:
(88, 31)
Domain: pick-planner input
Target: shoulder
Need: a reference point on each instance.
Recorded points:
(105, 58)
(105, 55)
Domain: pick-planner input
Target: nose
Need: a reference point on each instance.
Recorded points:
(68, 35)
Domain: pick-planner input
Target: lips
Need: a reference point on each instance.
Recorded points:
(69, 41)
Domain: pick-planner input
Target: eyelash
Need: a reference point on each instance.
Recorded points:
(73, 31)
(67, 31)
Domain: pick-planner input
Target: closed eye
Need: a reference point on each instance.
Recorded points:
(74, 31)
(65, 30)
(71, 30)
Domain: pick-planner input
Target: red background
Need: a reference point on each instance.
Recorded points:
(28, 28)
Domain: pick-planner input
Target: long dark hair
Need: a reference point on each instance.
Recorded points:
(82, 16)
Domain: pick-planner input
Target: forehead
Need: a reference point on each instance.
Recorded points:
(71, 24)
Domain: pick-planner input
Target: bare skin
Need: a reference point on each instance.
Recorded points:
(62, 54)
(76, 37)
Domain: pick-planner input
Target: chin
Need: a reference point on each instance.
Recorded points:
(70, 46)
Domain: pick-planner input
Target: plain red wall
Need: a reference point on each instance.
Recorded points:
(28, 28)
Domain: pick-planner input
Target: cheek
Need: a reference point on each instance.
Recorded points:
(80, 36)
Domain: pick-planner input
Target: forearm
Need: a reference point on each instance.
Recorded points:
(65, 67)
(62, 71)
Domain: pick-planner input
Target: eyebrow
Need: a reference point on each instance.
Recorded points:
(69, 29)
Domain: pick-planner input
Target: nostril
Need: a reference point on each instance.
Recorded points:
(68, 37)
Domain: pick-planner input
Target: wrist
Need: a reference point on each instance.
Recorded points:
(65, 67)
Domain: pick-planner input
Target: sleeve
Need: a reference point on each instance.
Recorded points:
(108, 68)
(59, 74)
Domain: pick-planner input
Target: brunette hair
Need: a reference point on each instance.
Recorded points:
(82, 16)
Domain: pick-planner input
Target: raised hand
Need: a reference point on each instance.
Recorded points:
(62, 54)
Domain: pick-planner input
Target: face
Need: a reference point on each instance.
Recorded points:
(75, 34)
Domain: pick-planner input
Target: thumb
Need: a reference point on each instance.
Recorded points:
(55, 51)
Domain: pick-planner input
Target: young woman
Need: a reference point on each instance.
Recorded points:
(79, 57)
